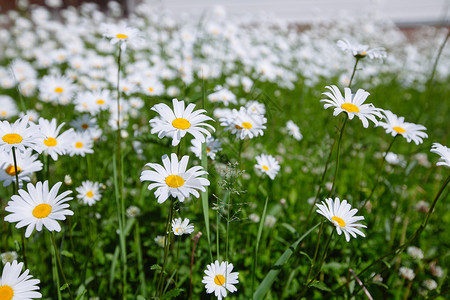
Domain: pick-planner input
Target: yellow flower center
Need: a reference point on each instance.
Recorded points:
(237, 127)
(50, 142)
(84, 126)
(265, 168)
(399, 129)
(6, 292)
(177, 229)
(121, 36)
(219, 280)
(181, 123)
(12, 138)
(150, 89)
(90, 194)
(4, 113)
(208, 149)
(59, 90)
(247, 125)
(11, 170)
(78, 145)
(174, 181)
(351, 108)
(100, 101)
(339, 221)
(42, 211)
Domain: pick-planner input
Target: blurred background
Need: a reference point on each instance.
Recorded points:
(405, 13)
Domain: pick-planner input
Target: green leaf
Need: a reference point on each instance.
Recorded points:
(139, 297)
(321, 286)
(156, 267)
(172, 293)
(267, 282)
(67, 253)
(64, 286)
(205, 200)
(307, 256)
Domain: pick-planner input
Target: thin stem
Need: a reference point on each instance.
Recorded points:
(195, 238)
(353, 73)
(218, 229)
(178, 260)
(377, 177)
(16, 171)
(321, 180)
(55, 273)
(160, 285)
(228, 226)
(59, 264)
(140, 263)
(337, 155)
(316, 251)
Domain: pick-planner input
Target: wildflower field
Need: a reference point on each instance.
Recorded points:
(180, 157)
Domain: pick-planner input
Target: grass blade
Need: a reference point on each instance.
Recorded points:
(267, 282)
(258, 239)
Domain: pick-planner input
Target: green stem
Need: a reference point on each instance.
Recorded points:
(321, 180)
(55, 272)
(160, 285)
(178, 260)
(59, 264)
(140, 263)
(217, 228)
(353, 73)
(377, 177)
(337, 155)
(316, 251)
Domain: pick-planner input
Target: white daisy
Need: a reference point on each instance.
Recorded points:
(180, 227)
(59, 89)
(444, 152)
(255, 107)
(361, 51)
(293, 130)
(27, 164)
(212, 147)
(172, 179)
(89, 192)
(93, 101)
(179, 121)
(224, 96)
(9, 256)
(219, 278)
(84, 122)
(396, 125)
(81, 144)
(268, 165)
(39, 207)
(244, 124)
(8, 107)
(342, 216)
(352, 104)
(55, 143)
(19, 135)
(17, 286)
(122, 33)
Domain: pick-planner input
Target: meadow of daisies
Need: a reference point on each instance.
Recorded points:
(163, 156)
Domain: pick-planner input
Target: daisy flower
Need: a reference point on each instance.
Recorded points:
(219, 279)
(396, 125)
(293, 130)
(180, 227)
(179, 121)
(268, 165)
(342, 216)
(255, 107)
(9, 256)
(56, 88)
(19, 135)
(212, 147)
(93, 101)
(55, 143)
(361, 51)
(8, 107)
(222, 95)
(14, 285)
(39, 207)
(121, 33)
(27, 164)
(84, 122)
(352, 104)
(89, 192)
(81, 144)
(244, 123)
(444, 152)
(172, 179)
